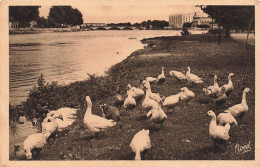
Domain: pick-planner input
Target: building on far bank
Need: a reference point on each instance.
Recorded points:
(93, 25)
(177, 20)
(196, 20)
(13, 23)
(201, 20)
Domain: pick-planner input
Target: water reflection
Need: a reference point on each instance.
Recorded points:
(68, 57)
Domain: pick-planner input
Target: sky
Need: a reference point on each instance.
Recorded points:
(126, 13)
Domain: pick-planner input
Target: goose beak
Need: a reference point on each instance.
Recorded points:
(250, 90)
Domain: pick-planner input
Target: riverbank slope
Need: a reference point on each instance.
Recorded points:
(184, 135)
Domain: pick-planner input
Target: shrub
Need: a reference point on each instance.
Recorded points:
(185, 31)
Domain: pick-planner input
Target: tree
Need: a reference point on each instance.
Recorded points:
(42, 22)
(51, 22)
(65, 15)
(136, 24)
(230, 16)
(24, 14)
(186, 25)
(159, 23)
(144, 24)
(148, 24)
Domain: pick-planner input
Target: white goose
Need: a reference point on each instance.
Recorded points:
(224, 118)
(186, 95)
(136, 92)
(178, 75)
(229, 86)
(171, 101)
(151, 100)
(35, 141)
(207, 92)
(129, 103)
(215, 89)
(221, 97)
(151, 79)
(62, 125)
(154, 96)
(93, 122)
(140, 142)
(118, 100)
(192, 78)
(161, 77)
(49, 125)
(65, 111)
(157, 115)
(218, 133)
(239, 110)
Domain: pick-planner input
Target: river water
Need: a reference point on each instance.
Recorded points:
(68, 57)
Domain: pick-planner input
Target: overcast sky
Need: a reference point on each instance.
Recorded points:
(126, 13)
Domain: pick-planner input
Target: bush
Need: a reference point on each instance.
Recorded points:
(185, 31)
(52, 96)
(213, 31)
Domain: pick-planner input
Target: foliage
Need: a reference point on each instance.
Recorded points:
(120, 24)
(51, 96)
(213, 31)
(24, 14)
(64, 15)
(137, 24)
(144, 24)
(42, 22)
(185, 31)
(187, 25)
(147, 24)
(159, 23)
(231, 17)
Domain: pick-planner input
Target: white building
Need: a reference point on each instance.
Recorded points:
(201, 19)
(177, 20)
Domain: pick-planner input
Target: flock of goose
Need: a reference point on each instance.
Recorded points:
(153, 105)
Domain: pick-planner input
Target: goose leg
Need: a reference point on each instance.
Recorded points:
(161, 124)
(187, 102)
(173, 109)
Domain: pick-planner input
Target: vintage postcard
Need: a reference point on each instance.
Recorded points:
(129, 83)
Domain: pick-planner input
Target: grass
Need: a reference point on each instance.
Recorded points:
(184, 135)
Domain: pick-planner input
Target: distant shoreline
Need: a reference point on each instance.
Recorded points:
(14, 31)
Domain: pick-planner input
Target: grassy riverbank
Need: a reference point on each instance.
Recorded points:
(184, 135)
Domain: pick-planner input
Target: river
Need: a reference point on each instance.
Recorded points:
(68, 57)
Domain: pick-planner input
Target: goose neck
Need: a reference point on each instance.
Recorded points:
(88, 111)
(229, 80)
(213, 122)
(138, 155)
(162, 71)
(188, 72)
(103, 113)
(244, 98)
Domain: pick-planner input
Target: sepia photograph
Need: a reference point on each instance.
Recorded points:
(131, 81)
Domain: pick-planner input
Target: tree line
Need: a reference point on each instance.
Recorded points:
(147, 24)
(59, 16)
